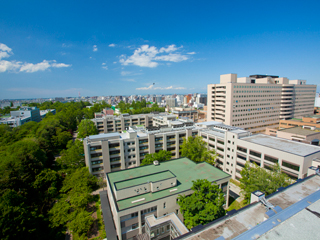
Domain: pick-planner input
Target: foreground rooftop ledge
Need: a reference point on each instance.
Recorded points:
(249, 219)
(183, 169)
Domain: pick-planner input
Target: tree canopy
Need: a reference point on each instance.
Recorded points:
(33, 179)
(204, 205)
(139, 107)
(160, 156)
(195, 149)
(86, 128)
(257, 178)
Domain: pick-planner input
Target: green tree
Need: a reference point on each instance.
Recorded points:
(86, 128)
(73, 200)
(195, 149)
(81, 224)
(72, 157)
(204, 205)
(160, 156)
(257, 178)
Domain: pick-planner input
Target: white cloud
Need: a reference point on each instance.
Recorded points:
(114, 62)
(147, 56)
(95, 48)
(126, 73)
(105, 67)
(152, 87)
(13, 65)
(112, 45)
(191, 53)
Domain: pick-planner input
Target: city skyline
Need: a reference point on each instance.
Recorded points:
(60, 49)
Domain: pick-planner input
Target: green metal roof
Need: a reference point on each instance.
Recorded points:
(144, 179)
(184, 169)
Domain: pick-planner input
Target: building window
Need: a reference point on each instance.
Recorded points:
(135, 226)
(164, 205)
(242, 149)
(253, 153)
(270, 159)
(292, 166)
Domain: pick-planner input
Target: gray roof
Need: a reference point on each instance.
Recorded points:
(296, 148)
(249, 222)
(298, 130)
(104, 135)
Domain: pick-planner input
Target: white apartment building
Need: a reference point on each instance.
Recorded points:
(258, 101)
(111, 123)
(117, 151)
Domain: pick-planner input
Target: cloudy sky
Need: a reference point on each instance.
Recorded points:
(61, 48)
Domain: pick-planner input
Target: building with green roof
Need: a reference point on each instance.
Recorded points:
(153, 190)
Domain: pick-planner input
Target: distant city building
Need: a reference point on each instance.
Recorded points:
(171, 102)
(258, 101)
(202, 98)
(24, 115)
(307, 121)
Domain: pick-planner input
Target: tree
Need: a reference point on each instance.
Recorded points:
(86, 128)
(195, 149)
(72, 157)
(160, 156)
(257, 178)
(204, 205)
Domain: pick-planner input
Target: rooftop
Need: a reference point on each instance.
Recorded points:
(296, 148)
(298, 130)
(184, 169)
(248, 222)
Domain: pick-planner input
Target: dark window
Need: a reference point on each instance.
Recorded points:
(270, 159)
(114, 152)
(241, 157)
(255, 161)
(221, 142)
(211, 139)
(240, 164)
(96, 155)
(182, 135)
(143, 141)
(205, 137)
(253, 153)
(115, 159)
(289, 165)
(97, 169)
(221, 149)
(95, 148)
(242, 149)
(116, 165)
(113, 145)
(267, 166)
(96, 162)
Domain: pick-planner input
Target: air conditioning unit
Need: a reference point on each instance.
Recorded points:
(156, 163)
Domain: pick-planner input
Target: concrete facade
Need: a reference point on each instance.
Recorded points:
(258, 101)
(130, 213)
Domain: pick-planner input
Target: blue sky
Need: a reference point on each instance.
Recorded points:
(60, 48)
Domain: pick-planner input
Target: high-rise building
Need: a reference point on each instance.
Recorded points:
(258, 101)
(171, 102)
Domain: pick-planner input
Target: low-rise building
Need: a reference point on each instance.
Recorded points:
(305, 134)
(186, 112)
(308, 121)
(143, 201)
(110, 123)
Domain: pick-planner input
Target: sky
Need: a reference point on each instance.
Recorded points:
(100, 48)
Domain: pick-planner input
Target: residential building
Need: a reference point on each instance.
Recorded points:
(109, 123)
(305, 134)
(171, 102)
(289, 213)
(258, 101)
(143, 201)
(235, 146)
(202, 98)
(190, 113)
(307, 121)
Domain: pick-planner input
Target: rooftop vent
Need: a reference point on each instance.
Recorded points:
(156, 163)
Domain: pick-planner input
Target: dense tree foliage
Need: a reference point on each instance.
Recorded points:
(195, 149)
(160, 156)
(34, 178)
(139, 107)
(204, 205)
(257, 178)
(86, 128)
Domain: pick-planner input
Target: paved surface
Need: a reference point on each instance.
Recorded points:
(107, 217)
(234, 192)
